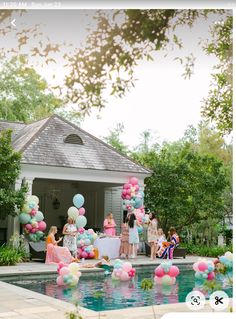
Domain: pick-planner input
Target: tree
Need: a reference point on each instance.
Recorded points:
(122, 39)
(185, 186)
(24, 95)
(218, 106)
(10, 199)
(114, 139)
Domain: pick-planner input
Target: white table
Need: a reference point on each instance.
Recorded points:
(108, 246)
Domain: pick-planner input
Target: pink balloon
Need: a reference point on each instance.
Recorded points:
(128, 197)
(126, 186)
(42, 225)
(128, 192)
(84, 254)
(127, 266)
(173, 280)
(33, 230)
(133, 181)
(64, 271)
(211, 276)
(60, 265)
(174, 271)
(81, 211)
(60, 281)
(124, 276)
(202, 266)
(159, 272)
(158, 280)
(28, 227)
(195, 266)
(136, 187)
(91, 255)
(124, 192)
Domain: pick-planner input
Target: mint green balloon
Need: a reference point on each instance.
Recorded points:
(39, 216)
(24, 218)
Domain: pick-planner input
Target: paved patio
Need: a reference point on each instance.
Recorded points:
(20, 303)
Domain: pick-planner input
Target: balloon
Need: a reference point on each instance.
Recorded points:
(166, 280)
(91, 255)
(73, 268)
(159, 272)
(211, 276)
(195, 266)
(124, 276)
(28, 227)
(32, 198)
(127, 266)
(202, 266)
(138, 203)
(39, 234)
(126, 186)
(33, 212)
(24, 218)
(72, 212)
(158, 280)
(81, 221)
(78, 200)
(32, 205)
(39, 216)
(133, 181)
(87, 242)
(174, 271)
(84, 254)
(64, 271)
(81, 211)
(42, 225)
(60, 281)
(26, 209)
(75, 280)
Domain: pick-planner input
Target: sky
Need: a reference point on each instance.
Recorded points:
(162, 100)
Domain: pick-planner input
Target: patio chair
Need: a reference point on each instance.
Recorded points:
(178, 251)
(37, 250)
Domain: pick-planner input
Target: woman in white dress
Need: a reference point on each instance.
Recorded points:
(70, 233)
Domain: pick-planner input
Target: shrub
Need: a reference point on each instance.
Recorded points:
(207, 251)
(10, 256)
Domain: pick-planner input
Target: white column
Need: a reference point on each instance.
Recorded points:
(29, 182)
(13, 222)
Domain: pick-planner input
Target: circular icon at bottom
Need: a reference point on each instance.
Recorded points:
(195, 300)
(219, 300)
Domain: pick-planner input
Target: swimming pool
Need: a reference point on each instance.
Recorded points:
(98, 292)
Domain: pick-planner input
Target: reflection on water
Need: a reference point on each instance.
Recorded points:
(101, 293)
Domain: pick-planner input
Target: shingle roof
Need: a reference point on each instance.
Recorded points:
(42, 143)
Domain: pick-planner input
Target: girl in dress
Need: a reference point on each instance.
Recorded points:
(56, 254)
(167, 249)
(152, 235)
(160, 238)
(124, 247)
(133, 235)
(109, 225)
(70, 233)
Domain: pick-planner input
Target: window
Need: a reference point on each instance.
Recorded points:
(73, 139)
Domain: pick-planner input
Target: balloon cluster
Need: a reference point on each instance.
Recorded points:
(122, 271)
(165, 274)
(77, 212)
(204, 269)
(32, 219)
(132, 196)
(68, 274)
(224, 268)
(85, 240)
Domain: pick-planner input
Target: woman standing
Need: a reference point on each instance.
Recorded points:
(133, 235)
(109, 225)
(152, 235)
(70, 232)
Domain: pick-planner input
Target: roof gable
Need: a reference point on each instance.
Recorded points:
(43, 143)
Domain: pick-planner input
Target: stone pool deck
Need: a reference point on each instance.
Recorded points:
(20, 303)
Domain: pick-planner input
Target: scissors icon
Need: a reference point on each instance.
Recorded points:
(218, 300)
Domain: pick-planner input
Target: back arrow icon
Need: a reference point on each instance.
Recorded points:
(13, 22)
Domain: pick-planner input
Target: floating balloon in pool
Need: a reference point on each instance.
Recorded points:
(224, 269)
(166, 273)
(122, 271)
(204, 269)
(32, 219)
(69, 275)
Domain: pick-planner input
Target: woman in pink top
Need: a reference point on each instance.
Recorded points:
(109, 225)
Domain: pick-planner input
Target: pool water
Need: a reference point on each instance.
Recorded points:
(98, 292)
